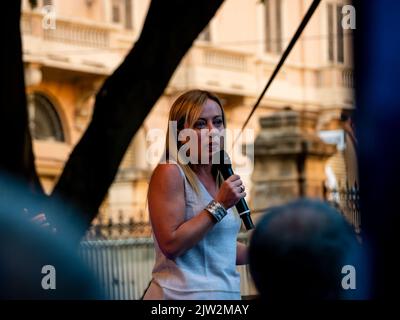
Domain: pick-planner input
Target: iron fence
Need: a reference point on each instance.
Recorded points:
(347, 200)
(123, 266)
(110, 229)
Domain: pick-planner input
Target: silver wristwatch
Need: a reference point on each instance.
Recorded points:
(216, 210)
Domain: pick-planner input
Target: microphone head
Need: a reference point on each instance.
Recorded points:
(222, 163)
(221, 158)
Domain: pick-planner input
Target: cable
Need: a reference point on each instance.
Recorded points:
(289, 48)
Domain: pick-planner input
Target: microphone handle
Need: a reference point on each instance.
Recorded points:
(241, 206)
(244, 213)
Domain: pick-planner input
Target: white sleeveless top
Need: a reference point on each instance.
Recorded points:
(211, 264)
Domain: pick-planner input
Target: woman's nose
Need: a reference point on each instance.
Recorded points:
(211, 125)
(213, 133)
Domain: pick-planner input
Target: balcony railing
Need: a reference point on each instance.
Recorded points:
(217, 69)
(347, 78)
(79, 34)
(68, 31)
(225, 59)
(336, 76)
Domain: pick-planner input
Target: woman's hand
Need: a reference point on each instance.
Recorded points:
(230, 192)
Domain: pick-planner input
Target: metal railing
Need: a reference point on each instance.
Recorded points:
(123, 267)
(120, 229)
(347, 200)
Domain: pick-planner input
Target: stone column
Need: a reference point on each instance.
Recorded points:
(289, 159)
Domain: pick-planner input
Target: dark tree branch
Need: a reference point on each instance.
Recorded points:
(126, 98)
(15, 141)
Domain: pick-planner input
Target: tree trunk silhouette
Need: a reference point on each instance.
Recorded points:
(121, 105)
(16, 146)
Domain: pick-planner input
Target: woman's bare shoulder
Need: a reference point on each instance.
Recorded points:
(167, 174)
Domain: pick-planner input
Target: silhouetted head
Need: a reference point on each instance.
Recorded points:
(34, 262)
(298, 251)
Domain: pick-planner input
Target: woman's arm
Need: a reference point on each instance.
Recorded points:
(241, 253)
(167, 212)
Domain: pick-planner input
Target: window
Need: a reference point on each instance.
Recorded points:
(128, 15)
(122, 13)
(335, 34)
(44, 122)
(116, 11)
(339, 39)
(40, 3)
(273, 26)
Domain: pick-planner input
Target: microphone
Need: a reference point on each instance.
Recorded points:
(225, 168)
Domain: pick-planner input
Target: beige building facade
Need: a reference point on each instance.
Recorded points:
(70, 47)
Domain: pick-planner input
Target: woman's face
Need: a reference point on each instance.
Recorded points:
(209, 127)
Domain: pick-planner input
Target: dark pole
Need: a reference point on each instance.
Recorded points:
(377, 70)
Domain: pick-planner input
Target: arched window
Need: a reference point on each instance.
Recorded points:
(44, 122)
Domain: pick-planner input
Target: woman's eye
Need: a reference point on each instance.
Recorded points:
(218, 122)
(200, 124)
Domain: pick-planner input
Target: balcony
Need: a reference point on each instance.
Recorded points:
(216, 69)
(67, 31)
(336, 85)
(74, 44)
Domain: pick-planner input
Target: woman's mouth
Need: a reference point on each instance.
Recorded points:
(213, 146)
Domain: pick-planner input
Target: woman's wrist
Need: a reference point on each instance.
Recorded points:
(221, 203)
(217, 210)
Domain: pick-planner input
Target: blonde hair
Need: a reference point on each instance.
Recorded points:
(186, 110)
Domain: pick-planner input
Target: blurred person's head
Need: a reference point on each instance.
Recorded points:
(30, 254)
(298, 250)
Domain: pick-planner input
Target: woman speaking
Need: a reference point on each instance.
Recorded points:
(194, 227)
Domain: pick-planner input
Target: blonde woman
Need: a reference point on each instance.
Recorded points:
(194, 227)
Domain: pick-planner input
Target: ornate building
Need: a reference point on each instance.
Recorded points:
(70, 47)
